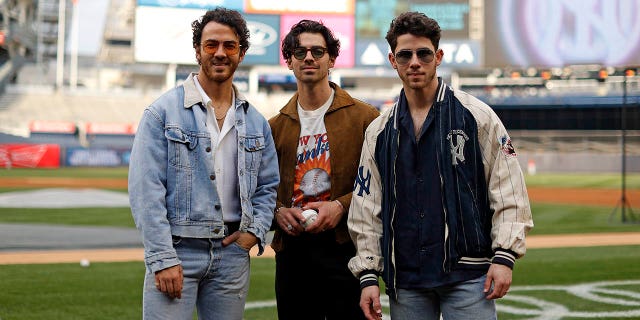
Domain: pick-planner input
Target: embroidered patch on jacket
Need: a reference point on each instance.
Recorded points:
(363, 182)
(457, 139)
(507, 148)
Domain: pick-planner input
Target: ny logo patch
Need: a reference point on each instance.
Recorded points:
(457, 139)
(363, 182)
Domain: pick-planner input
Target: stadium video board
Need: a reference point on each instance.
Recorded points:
(555, 33)
(374, 16)
(163, 27)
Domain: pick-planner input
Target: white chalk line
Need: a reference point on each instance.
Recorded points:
(604, 292)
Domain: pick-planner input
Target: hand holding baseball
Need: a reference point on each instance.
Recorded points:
(329, 215)
(288, 220)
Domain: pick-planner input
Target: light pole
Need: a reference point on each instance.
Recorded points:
(623, 203)
(62, 8)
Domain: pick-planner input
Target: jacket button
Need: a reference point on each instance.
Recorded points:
(217, 206)
(212, 177)
(216, 230)
(208, 149)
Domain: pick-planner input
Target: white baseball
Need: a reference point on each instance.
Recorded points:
(84, 263)
(310, 217)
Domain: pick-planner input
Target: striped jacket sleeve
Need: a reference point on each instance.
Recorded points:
(508, 196)
(364, 222)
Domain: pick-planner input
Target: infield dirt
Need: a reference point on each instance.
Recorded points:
(608, 197)
(605, 197)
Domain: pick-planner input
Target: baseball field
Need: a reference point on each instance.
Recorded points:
(583, 260)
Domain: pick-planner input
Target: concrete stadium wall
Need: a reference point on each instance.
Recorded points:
(577, 162)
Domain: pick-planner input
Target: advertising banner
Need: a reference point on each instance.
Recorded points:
(340, 7)
(372, 53)
(110, 128)
(164, 35)
(457, 53)
(556, 33)
(342, 27)
(52, 126)
(95, 157)
(29, 156)
(264, 42)
(193, 4)
(460, 54)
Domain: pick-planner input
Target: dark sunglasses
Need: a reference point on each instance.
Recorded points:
(229, 47)
(424, 55)
(316, 52)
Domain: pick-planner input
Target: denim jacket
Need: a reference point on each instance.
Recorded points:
(172, 179)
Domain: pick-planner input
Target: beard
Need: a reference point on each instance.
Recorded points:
(217, 70)
(425, 81)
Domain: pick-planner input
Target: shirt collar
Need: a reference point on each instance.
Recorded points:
(192, 96)
(205, 98)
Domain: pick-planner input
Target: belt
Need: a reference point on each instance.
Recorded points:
(231, 227)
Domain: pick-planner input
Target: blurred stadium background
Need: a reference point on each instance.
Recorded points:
(75, 75)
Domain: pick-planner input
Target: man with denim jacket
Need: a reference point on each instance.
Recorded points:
(202, 182)
(440, 208)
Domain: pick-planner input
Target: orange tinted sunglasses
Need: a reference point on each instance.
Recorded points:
(229, 47)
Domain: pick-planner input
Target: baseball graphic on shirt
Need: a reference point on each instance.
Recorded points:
(312, 180)
(315, 182)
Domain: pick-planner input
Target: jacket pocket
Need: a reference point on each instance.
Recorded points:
(253, 147)
(181, 148)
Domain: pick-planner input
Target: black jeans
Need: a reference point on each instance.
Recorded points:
(313, 281)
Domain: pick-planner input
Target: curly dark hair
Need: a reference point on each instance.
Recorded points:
(415, 23)
(292, 40)
(228, 17)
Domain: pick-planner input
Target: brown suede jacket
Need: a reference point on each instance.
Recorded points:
(346, 121)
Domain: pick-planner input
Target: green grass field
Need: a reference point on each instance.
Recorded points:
(113, 290)
(565, 283)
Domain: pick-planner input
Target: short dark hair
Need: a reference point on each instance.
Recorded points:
(292, 40)
(415, 23)
(228, 17)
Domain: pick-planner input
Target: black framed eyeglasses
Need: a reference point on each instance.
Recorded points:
(316, 52)
(229, 47)
(425, 55)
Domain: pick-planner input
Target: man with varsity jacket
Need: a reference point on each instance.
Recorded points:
(440, 209)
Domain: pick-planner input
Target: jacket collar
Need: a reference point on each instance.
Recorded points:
(192, 95)
(341, 100)
(402, 101)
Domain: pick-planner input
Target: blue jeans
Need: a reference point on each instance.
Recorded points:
(464, 300)
(216, 281)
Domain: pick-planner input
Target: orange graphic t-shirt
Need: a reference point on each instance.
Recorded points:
(313, 169)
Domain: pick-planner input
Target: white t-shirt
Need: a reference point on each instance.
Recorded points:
(313, 169)
(225, 157)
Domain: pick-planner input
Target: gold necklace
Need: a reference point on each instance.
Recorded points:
(216, 113)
